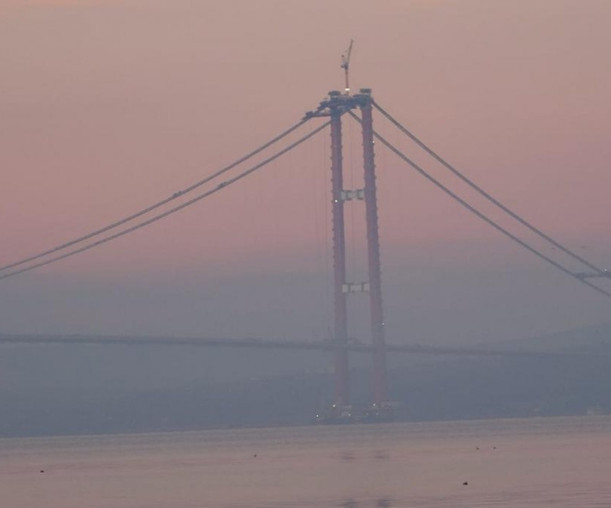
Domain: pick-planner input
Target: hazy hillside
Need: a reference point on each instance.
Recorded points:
(67, 389)
(594, 339)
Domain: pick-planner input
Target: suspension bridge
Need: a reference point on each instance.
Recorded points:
(329, 114)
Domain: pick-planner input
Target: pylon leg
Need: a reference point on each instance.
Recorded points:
(342, 390)
(380, 390)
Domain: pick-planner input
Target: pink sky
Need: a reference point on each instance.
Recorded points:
(108, 106)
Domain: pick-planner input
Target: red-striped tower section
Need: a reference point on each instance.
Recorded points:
(342, 388)
(380, 390)
(334, 107)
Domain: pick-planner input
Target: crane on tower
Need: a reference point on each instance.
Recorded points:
(345, 65)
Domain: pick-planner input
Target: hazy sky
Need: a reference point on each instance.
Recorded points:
(108, 106)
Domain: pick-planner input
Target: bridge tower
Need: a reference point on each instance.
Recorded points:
(334, 107)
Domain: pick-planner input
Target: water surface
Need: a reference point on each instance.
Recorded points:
(560, 462)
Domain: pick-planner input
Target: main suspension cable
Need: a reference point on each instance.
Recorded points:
(154, 206)
(479, 214)
(487, 195)
(171, 211)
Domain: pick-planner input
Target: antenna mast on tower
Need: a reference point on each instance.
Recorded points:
(345, 65)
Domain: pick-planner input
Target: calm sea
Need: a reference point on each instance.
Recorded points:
(559, 462)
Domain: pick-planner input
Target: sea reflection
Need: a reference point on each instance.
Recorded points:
(522, 463)
(378, 503)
